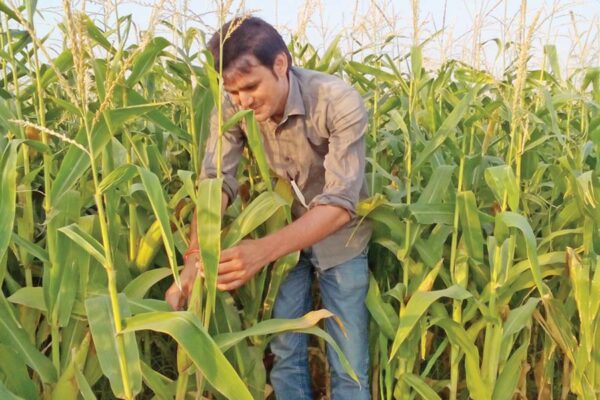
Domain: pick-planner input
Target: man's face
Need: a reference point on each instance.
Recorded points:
(252, 86)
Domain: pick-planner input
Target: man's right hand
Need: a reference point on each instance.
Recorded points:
(176, 298)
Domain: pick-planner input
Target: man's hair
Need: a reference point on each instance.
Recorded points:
(249, 36)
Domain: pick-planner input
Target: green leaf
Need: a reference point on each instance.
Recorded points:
(328, 55)
(507, 381)
(157, 117)
(470, 225)
(365, 69)
(67, 386)
(503, 182)
(104, 333)
(437, 187)
(551, 53)
(478, 389)
(8, 11)
(137, 288)
(420, 386)
(7, 394)
(159, 206)
(447, 127)
(146, 59)
(76, 162)
(85, 241)
(227, 340)
(16, 375)
(117, 176)
(185, 328)
(235, 119)
(29, 296)
(161, 386)
(514, 220)
(8, 194)
(255, 214)
(416, 62)
(416, 308)
(305, 324)
(13, 335)
(256, 146)
(519, 318)
(428, 214)
(383, 313)
(84, 386)
(208, 215)
(95, 33)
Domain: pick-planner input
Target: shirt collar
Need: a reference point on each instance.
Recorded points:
(294, 104)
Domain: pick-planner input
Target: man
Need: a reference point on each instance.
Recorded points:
(313, 126)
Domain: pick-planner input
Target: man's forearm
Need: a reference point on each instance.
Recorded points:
(315, 225)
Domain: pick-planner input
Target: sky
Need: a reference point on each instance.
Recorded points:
(573, 26)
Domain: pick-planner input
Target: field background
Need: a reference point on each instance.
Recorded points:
(483, 162)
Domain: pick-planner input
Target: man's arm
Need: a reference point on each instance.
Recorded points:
(240, 263)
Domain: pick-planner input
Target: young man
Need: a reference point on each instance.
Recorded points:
(313, 126)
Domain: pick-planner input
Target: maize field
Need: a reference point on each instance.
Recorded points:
(485, 203)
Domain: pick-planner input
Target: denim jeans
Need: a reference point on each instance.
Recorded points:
(343, 291)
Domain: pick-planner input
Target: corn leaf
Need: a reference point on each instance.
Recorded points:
(146, 59)
(161, 386)
(185, 328)
(7, 394)
(503, 182)
(420, 386)
(208, 205)
(255, 214)
(101, 320)
(117, 176)
(138, 287)
(33, 249)
(383, 313)
(76, 162)
(159, 206)
(8, 193)
(16, 375)
(13, 335)
(29, 296)
(459, 338)
(470, 225)
(514, 220)
(417, 307)
(256, 146)
(447, 127)
(85, 241)
(507, 381)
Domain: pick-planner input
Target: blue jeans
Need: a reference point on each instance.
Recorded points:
(343, 291)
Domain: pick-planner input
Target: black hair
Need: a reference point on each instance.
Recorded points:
(251, 35)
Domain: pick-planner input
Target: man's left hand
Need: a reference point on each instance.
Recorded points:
(240, 263)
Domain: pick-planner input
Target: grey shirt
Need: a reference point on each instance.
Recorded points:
(319, 144)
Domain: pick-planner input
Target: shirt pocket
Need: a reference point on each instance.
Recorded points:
(318, 143)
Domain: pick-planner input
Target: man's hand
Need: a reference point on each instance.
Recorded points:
(240, 263)
(177, 298)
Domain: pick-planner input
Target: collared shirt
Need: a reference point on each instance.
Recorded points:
(319, 144)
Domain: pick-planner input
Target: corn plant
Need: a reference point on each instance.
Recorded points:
(484, 207)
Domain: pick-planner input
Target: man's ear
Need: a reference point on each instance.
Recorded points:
(280, 66)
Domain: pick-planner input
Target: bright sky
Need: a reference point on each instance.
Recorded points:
(574, 26)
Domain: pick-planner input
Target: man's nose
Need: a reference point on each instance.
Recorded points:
(246, 100)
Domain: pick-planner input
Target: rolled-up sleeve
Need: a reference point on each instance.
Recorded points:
(231, 151)
(345, 161)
